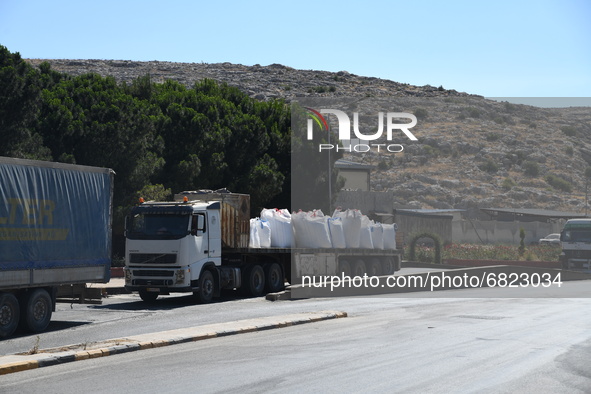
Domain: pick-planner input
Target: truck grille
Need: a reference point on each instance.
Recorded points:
(152, 258)
(152, 273)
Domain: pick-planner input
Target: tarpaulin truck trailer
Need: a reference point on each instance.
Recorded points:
(55, 229)
(200, 244)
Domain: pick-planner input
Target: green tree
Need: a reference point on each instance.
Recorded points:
(20, 97)
(90, 120)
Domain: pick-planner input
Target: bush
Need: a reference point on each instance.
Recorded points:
(531, 168)
(558, 183)
(569, 131)
(489, 166)
(508, 184)
(473, 112)
(421, 113)
(383, 165)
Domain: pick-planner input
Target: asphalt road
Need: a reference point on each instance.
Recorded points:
(387, 344)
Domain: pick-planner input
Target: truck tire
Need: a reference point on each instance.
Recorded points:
(274, 278)
(254, 281)
(204, 294)
(374, 267)
(388, 266)
(148, 296)
(344, 268)
(36, 311)
(359, 268)
(9, 314)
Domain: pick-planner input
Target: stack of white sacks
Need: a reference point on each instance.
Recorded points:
(277, 228)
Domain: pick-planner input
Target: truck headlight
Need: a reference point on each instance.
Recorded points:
(180, 276)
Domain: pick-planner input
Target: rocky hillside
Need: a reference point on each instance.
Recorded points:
(471, 152)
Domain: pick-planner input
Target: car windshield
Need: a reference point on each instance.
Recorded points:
(157, 226)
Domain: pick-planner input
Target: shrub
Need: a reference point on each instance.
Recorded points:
(569, 131)
(383, 165)
(431, 151)
(421, 113)
(508, 184)
(489, 166)
(558, 183)
(531, 168)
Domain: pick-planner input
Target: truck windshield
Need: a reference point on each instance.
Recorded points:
(157, 226)
(576, 235)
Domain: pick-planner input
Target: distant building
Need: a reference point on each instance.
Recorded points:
(357, 176)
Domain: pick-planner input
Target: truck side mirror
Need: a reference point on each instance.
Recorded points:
(198, 224)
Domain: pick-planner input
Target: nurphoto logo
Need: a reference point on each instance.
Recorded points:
(344, 130)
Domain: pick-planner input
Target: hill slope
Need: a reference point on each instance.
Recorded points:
(471, 152)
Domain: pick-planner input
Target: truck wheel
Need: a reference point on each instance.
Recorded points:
(9, 314)
(148, 296)
(388, 267)
(345, 268)
(274, 278)
(359, 268)
(36, 311)
(204, 294)
(374, 268)
(254, 283)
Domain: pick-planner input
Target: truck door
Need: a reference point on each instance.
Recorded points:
(214, 226)
(199, 231)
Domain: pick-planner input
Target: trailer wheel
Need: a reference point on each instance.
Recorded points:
(254, 283)
(148, 296)
(9, 314)
(345, 267)
(204, 294)
(374, 268)
(359, 268)
(274, 278)
(36, 311)
(388, 266)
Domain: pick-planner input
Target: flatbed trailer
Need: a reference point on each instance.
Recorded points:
(201, 246)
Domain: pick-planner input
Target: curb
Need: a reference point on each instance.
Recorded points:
(147, 341)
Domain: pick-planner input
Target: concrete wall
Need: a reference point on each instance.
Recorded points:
(365, 201)
(408, 225)
(494, 232)
(456, 230)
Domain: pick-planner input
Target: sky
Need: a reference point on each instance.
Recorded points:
(494, 49)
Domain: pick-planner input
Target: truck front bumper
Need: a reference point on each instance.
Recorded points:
(160, 289)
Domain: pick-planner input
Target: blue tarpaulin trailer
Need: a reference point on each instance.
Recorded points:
(55, 229)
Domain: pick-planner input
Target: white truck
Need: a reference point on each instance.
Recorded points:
(200, 244)
(576, 245)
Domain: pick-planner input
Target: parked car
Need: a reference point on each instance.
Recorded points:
(550, 239)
